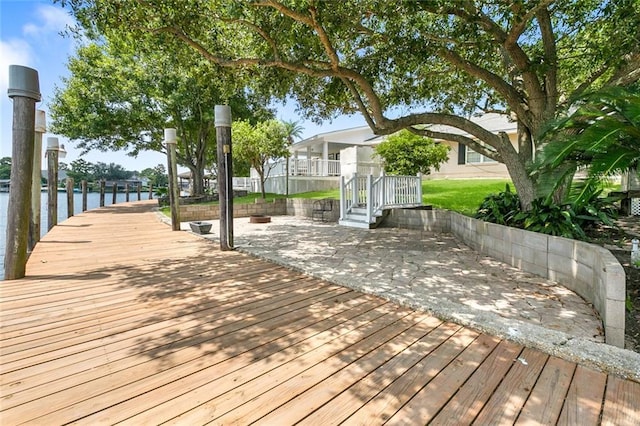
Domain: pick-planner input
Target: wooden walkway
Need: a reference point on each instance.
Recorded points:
(122, 320)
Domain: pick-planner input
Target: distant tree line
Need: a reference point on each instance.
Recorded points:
(81, 169)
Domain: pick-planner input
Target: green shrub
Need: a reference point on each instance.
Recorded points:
(550, 218)
(568, 220)
(499, 208)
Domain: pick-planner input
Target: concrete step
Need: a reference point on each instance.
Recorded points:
(354, 223)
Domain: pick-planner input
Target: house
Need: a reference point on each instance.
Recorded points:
(316, 163)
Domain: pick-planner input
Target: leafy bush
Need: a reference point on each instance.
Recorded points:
(594, 209)
(550, 218)
(405, 153)
(499, 208)
(568, 220)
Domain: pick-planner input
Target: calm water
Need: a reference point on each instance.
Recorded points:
(93, 201)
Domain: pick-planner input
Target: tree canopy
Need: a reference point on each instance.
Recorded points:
(118, 97)
(5, 168)
(261, 145)
(407, 64)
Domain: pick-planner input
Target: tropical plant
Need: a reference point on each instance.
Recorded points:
(550, 218)
(499, 208)
(294, 130)
(569, 220)
(601, 137)
(405, 153)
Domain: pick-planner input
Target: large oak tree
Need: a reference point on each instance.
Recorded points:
(121, 97)
(407, 64)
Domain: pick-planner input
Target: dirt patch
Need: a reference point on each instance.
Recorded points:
(618, 241)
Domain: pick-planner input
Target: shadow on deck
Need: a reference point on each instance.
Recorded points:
(144, 325)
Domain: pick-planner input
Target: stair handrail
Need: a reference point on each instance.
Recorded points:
(348, 194)
(377, 194)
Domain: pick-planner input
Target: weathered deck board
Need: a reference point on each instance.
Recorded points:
(122, 320)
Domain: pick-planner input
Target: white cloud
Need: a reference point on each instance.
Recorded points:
(13, 52)
(52, 20)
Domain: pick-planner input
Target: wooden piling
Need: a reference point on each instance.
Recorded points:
(225, 175)
(35, 219)
(102, 188)
(52, 188)
(83, 185)
(24, 89)
(70, 206)
(114, 190)
(174, 195)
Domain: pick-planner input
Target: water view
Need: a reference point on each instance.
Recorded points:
(93, 202)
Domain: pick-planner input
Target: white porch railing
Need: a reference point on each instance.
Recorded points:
(303, 167)
(377, 194)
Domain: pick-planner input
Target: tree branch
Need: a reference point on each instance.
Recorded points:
(551, 58)
(511, 95)
(429, 118)
(471, 143)
(270, 41)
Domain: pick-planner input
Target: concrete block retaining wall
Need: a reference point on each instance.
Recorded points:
(303, 207)
(190, 213)
(587, 269)
(291, 207)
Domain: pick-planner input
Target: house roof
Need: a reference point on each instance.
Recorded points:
(363, 135)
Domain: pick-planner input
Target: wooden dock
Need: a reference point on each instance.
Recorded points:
(122, 320)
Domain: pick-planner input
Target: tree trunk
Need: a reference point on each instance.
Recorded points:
(197, 182)
(262, 181)
(524, 184)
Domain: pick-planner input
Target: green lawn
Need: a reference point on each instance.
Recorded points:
(461, 195)
(464, 195)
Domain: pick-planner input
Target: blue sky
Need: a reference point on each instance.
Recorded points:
(30, 36)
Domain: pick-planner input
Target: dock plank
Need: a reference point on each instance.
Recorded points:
(119, 319)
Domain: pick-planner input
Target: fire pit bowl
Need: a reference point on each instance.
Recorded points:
(259, 219)
(200, 227)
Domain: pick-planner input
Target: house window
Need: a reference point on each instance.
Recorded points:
(472, 157)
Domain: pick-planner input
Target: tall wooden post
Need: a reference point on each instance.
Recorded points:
(24, 89)
(70, 207)
(151, 191)
(139, 190)
(114, 190)
(102, 190)
(174, 196)
(83, 185)
(126, 192)
(36, 180)
(52, 182)
(225, 175)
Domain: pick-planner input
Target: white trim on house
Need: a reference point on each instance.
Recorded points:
(319, 156)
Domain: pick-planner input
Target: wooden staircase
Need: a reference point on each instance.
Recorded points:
(366, 201)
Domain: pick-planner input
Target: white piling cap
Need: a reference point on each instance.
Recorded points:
(222, 116)
(170, 135)
(52, 143)
(24, 82)
(41, 121)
